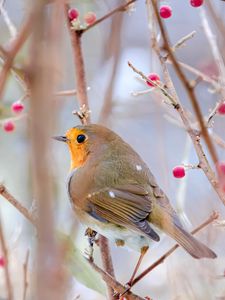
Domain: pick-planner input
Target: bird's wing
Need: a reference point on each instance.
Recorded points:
(128, 206)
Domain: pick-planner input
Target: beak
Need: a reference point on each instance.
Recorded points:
(60, 138)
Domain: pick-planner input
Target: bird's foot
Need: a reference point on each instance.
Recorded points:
(119, 296)
(88, 252)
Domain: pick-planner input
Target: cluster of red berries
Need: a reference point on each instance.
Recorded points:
(165, 11)
(89, 17)
(9, 125)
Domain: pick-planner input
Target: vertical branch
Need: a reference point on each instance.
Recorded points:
(107, 262)
(114, 49)
(50, 277)
(6, 268)
(75, 37)
(25, 281)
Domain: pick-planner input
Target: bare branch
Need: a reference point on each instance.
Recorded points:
(117, 287)
(6, 267)
(11, 199)
(14, 49)
(188, 87)
(121, 8)
(25, 280)
(211, 219)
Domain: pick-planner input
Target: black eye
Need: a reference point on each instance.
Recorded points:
(81, 138)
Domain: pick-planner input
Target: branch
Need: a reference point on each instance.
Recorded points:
(120, 8)
(212, 218)
(114, 51)
(14, 49)
(214, 47)
(10, 198)
(75, 38)
(119, 288)
(107, 262)
(6, 267)
(188, 87)
(172, 96)
(25, 281)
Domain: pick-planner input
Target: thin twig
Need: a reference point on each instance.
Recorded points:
(214, 47)
(6, 267)
(120, 8)
(114, 49)
(25, 280)
(188, 87)
(14, 49)
(161, 88)
(200, 74)
(181, 42)
(117, 287)
(9, 23)
(212, 218)
(11, 199)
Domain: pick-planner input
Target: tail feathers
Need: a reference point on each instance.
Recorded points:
(194, 247)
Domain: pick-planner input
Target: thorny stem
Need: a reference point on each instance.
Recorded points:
(188, 87)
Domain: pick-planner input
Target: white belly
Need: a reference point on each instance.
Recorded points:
(132, 239)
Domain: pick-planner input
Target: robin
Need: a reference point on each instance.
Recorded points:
(113, 192)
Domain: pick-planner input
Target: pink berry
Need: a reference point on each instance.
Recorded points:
(73, 14)
(153, 77)
(179, 171)
(17, 107)
(196, 3)
(2, 261)
(221, 108)
(221, 168)
(90, 18)
(165, 11)
(8, 126)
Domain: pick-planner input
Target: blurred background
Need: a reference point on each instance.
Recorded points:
(144, 121)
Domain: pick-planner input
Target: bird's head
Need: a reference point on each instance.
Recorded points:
(85, 141)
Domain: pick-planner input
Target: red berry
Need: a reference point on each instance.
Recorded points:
(165, 11)
(221, 108)
(73, 14)
(196, 3)
(2, 261)
(153, 77)
(17, 107)
(179, 171)
(8, 126)
(90, 18)
(221, 168)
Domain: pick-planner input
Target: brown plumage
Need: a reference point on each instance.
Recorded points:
(114, 192)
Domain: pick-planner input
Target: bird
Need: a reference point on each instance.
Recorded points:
(113, 192)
